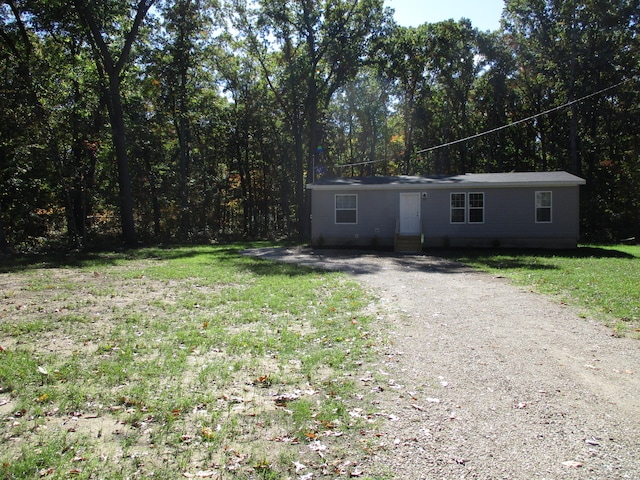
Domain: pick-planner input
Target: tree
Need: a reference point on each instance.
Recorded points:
(103, 23)
(409, 64)
(187, 29)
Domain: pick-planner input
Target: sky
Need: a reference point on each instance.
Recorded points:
(484, 14)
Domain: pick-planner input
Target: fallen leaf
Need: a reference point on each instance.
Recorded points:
(299, 466)
(572, 464)
(43, 371)
(205, 474)
(356, 473)
(417, 407)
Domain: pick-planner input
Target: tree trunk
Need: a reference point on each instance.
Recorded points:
(184, 141)
(4, 246)
(116, 115)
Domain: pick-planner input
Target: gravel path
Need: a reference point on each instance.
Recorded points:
(486, 380)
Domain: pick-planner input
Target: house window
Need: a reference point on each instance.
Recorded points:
(543, 207)
(458, 207)
(346, 209)
(476, 208)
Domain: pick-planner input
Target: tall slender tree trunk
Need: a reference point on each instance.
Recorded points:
(116, 115)
(573, 126)
(184, 140)
(4, 245)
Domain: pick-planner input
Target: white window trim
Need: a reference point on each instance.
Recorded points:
(550, 207)
(452, 208)
(336, 209)
(469, 208)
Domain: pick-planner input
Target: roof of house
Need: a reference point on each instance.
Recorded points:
(514, 179)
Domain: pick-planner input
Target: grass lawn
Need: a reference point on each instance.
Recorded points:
(193, 362)
(604, 281)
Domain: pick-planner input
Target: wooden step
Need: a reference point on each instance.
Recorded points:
(408, 243)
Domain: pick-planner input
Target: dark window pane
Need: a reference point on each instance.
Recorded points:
(476, 215)
(457, 215)
(543, 214)
(346, 216)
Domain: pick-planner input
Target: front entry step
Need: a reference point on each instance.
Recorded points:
(408, 243)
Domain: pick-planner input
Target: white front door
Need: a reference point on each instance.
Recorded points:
(409, 213)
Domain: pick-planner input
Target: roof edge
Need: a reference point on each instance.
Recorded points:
(484, 180)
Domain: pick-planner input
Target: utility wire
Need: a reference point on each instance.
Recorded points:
(532, 117)
(509, 125)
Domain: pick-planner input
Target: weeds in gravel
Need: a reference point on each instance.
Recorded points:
(604, 280)
(175, 362)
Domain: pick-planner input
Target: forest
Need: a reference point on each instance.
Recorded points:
(141, 121)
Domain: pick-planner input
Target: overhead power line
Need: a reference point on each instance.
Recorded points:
(517, 122)
(509, 125)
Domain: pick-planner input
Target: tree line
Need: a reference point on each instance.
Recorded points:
(192, 120)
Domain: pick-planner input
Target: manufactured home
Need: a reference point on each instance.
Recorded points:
(409, 213)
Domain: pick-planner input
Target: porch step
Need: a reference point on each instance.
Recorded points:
(408, 243)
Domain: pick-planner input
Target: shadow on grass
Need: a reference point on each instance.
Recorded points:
(229, 254)
(531, 259)
(104, 257)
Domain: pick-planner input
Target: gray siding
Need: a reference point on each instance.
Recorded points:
(377, 215)
(509, 218)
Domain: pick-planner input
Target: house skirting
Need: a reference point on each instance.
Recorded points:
(384, 243)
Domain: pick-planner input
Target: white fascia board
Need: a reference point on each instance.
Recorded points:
(441, 186)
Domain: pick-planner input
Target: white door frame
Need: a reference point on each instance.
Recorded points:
(409, 217)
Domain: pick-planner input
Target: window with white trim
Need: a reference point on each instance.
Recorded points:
(476, 207)
(458, 208)
(543, 207)
(347, 208)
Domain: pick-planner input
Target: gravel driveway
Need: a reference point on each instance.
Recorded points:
(488, 380)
